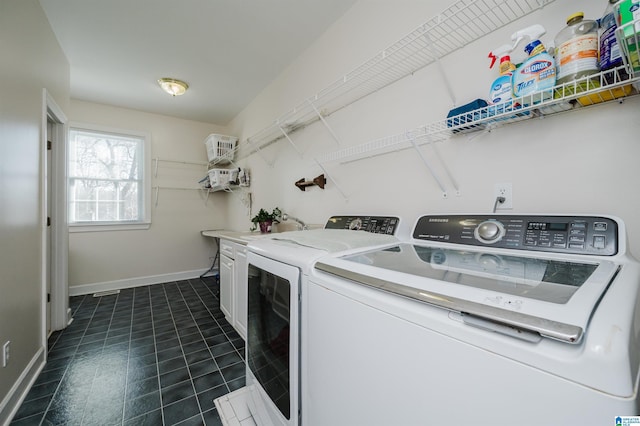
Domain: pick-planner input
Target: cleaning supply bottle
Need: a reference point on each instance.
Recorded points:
(538, 72)
(577, 49)
(610, 54)
(502, 86)
(611, 60)
(628, 20)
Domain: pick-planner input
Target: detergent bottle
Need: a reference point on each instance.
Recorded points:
(501, 88)
(538, 72)
(577, 49)
(610, 53)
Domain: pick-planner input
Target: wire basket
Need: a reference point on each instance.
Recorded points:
(219, 177)
(220, 148)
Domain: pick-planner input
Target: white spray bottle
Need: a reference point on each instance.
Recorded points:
(501, 88)
(538, 72)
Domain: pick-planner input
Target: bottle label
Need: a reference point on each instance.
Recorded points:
(534, 76)
(578, 55)
(609, 49)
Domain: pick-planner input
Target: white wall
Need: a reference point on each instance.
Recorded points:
(31, 60)
(579, 162)
(172, 248)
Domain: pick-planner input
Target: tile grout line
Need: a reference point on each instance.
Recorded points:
(44, 413)
(200, 331)
(95, 374)
(218, 323)
(126, 376)
(66, 370)
(195, 393)
(155, 346)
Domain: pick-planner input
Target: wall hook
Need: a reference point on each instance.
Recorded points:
(319, 181)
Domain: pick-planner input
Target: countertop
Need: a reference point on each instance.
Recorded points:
(234, 236)
(243, 237)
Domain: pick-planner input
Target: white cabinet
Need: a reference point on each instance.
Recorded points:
(226, 286)
(233, 284)
(240, 272)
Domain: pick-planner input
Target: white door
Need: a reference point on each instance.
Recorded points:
(48, 245)
(55, 236)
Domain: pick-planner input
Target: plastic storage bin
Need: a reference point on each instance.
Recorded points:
(220, 148)
(469, 113)
(219, 177)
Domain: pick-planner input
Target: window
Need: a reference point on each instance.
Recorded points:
(108, 179)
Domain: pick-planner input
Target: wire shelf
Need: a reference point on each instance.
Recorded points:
(454, 28)
(602, 87)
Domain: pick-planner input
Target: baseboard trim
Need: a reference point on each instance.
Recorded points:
(82, 289)
(18, 392)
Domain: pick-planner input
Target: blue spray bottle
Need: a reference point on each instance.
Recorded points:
(538, 72)
(501, 88)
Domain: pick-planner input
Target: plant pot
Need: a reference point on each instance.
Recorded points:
(265, 227)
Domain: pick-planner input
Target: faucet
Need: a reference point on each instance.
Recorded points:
(301, 225)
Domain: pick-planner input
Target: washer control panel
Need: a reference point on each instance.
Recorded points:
(559, 234)
(375, 224)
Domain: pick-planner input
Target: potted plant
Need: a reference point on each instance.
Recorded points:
(265, 219)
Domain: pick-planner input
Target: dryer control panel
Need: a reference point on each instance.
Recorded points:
(375, 224)
(558, 234)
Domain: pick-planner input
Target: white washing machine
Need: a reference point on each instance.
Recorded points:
(278, 267)
(483, 320)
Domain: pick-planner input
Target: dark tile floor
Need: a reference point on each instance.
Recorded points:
(154, 355)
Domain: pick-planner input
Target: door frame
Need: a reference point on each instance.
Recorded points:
(59, 273)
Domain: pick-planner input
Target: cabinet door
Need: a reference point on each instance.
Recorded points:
(240, 313)
(226, 287)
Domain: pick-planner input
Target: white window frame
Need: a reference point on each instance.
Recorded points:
(145, 221)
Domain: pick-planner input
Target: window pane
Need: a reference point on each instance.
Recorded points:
(105, 177)
(104, 156)
(129, 201)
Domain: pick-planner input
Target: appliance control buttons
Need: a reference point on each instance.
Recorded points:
(355, 224)
(599, 241)
(600, 226)
(489, 231)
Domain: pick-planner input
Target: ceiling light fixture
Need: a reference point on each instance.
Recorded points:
(173, 86)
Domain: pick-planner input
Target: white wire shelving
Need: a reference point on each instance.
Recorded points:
(583, 92)
(460, 24)
(606, 86)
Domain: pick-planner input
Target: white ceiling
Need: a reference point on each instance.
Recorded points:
(226, 50)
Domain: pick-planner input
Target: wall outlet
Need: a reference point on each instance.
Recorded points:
(6, 353)
(504, 190)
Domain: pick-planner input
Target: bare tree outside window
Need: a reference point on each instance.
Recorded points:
(105, 177)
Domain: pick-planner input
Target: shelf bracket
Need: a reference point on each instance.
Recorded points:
(428, 165)
(331, 132)
(446, 169)
(259, 151)
(436, 58)
(332, 180)
(286, 135)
